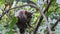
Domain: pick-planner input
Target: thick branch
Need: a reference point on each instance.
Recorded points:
(32, 5)
(47, 23)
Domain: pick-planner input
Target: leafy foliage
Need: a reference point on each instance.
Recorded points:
(8, 21)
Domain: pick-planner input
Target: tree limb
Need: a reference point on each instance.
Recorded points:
(32, 5)
(41, 18)
(54, 25)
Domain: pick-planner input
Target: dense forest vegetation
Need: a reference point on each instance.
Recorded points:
(29, 16)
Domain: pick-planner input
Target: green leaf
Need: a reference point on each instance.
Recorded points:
(51, 9)
(13, 21)
(11, 1)
(34, 1)
(58, 10)
(2, 2)
(10, 32)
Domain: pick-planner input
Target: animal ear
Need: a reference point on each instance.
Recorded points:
(26, 12)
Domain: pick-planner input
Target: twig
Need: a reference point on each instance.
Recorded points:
(54, 25)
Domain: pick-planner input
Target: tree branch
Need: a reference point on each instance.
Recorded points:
(32, 5)
(54, 25)
(41, 18)
(23, 6)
